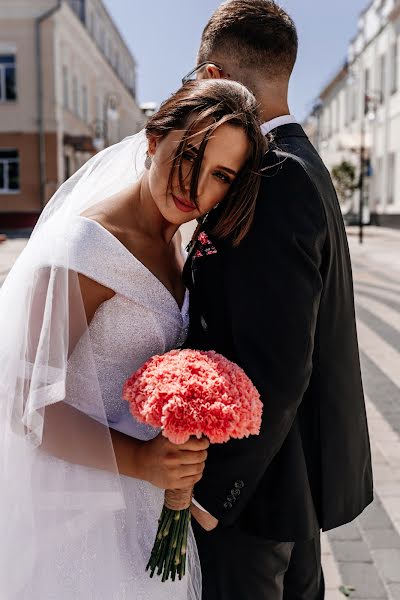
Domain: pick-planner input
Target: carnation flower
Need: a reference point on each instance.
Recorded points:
(190, 392)
(185, 393)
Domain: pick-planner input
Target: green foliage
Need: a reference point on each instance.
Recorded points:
(346, 590)
(344, 179)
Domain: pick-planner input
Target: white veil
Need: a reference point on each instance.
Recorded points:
(54, 512)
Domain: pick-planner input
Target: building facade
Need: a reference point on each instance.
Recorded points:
(67, 89)
(358, 113)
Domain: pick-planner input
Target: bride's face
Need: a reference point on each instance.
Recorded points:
(225, 154)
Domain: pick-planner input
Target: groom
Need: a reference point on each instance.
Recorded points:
(281, 306)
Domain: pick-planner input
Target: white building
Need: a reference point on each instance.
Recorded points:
(361, 107)
(67, 88)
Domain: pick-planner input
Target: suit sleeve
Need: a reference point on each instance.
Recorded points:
(272, 287)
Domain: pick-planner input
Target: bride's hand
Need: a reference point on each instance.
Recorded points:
(171, 466)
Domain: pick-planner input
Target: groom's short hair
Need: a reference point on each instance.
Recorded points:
(258, 34)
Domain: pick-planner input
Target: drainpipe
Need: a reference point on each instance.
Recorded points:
(40, 108)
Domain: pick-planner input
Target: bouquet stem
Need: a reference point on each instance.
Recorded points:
(168, 555)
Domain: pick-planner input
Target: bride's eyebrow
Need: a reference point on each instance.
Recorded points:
(227, 169)
(195, 150)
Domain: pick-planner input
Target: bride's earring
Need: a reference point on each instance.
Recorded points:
(148, 161)
(203, 219)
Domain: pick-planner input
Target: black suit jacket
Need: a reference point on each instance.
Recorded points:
(281, 306)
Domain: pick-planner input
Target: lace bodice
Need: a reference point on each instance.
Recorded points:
(140, 320)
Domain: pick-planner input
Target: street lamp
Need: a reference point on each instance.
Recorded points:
(371, 102)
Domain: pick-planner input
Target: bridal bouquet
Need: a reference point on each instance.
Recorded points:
(186, 393)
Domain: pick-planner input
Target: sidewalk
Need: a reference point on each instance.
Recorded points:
(363, 558)
(9, 252)
(381, 246)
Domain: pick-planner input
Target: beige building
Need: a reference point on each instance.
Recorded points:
(360, 108)
(67, 89)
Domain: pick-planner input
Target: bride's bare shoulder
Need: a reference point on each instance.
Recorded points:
(111, 212)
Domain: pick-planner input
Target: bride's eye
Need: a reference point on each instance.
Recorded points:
(223, 177)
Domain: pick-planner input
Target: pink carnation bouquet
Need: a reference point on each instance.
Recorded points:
(189, 393)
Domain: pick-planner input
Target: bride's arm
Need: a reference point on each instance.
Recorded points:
(73, 436)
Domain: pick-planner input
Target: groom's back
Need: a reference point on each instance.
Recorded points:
(329, 437)
(281, 306)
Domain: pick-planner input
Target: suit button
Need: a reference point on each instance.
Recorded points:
(228, 505)
(231, 499)
(203, 323)
(239, 484)
(235, 492)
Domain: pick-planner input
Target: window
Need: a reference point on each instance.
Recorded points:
(8, 77)
(354, 100)
(102, 39)
(84, 104)
(65, 87)
(133, 83)
(326, 122)
(343, 109)
(391, 177)
(394, 68)
(333, 117)
(9, 171)
(67, 167)
(366, 89)
(382, 71)
(78, 6)
(378, 181)
(92, 25)
(99, 112)
(75, 99)
(346, 106)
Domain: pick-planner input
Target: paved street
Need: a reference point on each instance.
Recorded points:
(365, 555)
(9, 251)
(362, 558)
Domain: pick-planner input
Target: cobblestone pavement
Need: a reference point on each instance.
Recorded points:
(362, 558)
(365, 555)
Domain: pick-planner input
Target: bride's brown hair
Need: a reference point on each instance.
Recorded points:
(212, 102)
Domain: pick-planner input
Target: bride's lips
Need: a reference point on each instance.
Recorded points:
(183, 205)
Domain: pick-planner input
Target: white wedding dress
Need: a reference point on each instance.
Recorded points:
(140, 320)
(69, 531)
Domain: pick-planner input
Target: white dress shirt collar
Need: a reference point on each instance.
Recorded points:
(277, 122)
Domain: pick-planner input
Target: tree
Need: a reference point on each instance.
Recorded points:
(344, 178)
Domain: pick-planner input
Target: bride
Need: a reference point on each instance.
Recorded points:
(96, 292)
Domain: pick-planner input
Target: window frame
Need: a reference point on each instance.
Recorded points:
(3, 80)
(75, 96)
(6, 161)
(382, 78)
(66, 90)
(394, 75)
(391, 180)
(85, 104)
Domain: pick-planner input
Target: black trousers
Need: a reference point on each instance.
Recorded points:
(240, 566)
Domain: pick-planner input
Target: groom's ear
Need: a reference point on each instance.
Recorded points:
(211, 72)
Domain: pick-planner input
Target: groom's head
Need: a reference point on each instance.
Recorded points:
(252, 41)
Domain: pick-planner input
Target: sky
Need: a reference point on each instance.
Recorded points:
(164, 35)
